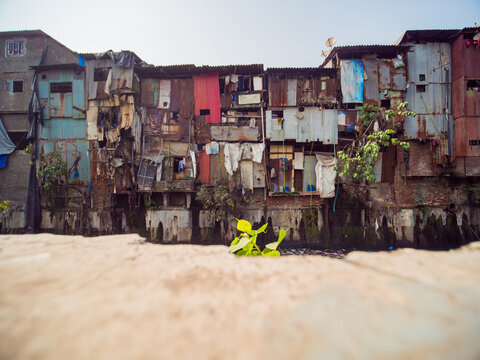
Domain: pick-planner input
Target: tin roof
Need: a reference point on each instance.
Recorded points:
(93, 56)
(239, 69)
(436, 35)
(69, 66)
(357, 51)
(301, 71)
(23, 32)
(191, 69)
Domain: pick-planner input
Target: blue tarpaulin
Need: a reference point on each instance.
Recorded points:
(351, 74)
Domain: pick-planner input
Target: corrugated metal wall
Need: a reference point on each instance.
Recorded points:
(428, 90)
(207, 96)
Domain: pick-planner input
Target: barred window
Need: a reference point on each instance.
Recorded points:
(14, 86)
(15, 48)
(61, 87)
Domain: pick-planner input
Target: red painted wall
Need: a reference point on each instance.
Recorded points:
(207, 96)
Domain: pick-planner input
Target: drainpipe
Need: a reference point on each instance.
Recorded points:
(450, 125)
(264, 154)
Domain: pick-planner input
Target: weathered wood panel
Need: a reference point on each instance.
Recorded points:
(234, 133)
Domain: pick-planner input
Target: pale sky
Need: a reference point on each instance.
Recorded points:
(276, 33)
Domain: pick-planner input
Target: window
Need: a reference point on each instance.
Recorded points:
(385, 103)
(420, 88)
(15, 48)
(14, 86)
(61, 87)
(100, 74)
(204, 111)
(473, 85)
(421, 77)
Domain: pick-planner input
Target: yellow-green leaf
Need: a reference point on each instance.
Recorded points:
(243, 241)
(262, 229)
(244, 225)
(235, 241)
(281, 236)
(273, 253)
(272, 246)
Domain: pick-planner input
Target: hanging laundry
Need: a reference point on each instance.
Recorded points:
(3, 160)
(212, 148)
(257, 83)
(273, 173)
(324, 170)
(181, 166)
(241, 83)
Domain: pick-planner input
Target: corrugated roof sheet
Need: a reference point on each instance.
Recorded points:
(165, 71)
(191, 69)
(68, 66)
(301, 71)
(356, 51)
(436, 35)
(21, 32)
(93, 56)
(239, 69)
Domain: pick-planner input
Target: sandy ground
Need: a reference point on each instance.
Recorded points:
(65, 297)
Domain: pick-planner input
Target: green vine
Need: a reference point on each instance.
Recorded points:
(51, 169)
(359, 160)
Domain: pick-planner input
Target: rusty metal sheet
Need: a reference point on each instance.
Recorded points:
(384, 80)
(226, 98)
(331, 92)
(217, 166)
(351, 117)
(472, 103)
(159, 122)
(472, 62)
(183, 98)
(149, 92)
(399, 79)
(389, 162)
(458, 97)
(472, 166)
(202, 130)
(278, 89)
(472, 133)
(370, 88)
(304, 92)
(234, 133)
(203, 167)
(458, 57)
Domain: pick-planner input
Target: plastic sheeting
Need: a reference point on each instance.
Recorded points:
(6, 145)
(351, 74)
(123, 58)
(325, 175)
(235, 152)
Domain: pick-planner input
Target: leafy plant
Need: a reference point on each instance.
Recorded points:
(223, 199)
(151, 204)
(51, 169)
(368, 113)
(4, 205)
(359, 161)
(246, 243)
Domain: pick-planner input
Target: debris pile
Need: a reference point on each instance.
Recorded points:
(335, 254)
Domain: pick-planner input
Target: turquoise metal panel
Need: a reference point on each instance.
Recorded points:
(70, 150)
(78, 99)
(68, 105)
(66, 75)
(75, 149)
(56, 129)
(43, 89)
